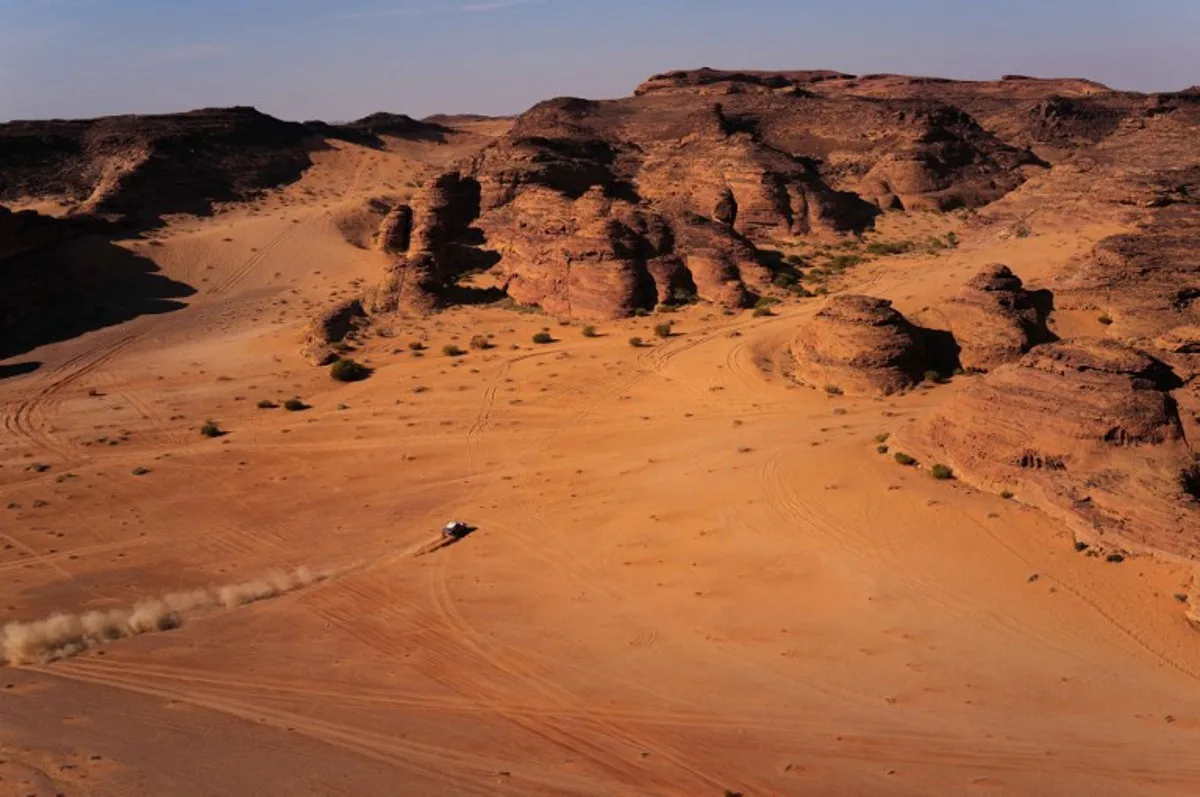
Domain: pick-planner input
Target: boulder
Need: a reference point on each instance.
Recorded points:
(860, 345)
(331, 327)
(994, 319)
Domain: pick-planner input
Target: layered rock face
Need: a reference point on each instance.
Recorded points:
(597, 209)
(994, 319)
(860, 345)
(1088, 428)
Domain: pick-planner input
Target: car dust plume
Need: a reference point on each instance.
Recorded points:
(62, 635)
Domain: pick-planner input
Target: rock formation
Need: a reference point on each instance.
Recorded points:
(598, 209)
(994, 319)
(1087, 428)
(331, 328)
(395, 232)
(860, 345)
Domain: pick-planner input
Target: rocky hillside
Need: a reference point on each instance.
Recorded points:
(598, 209)
(141, 167)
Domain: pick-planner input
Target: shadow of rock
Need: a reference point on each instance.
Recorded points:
(19, 369)
(60, 291)
(941, 350)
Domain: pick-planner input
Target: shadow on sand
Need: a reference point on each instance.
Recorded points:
(61, 291)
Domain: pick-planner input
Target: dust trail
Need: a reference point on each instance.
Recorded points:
(61, 635)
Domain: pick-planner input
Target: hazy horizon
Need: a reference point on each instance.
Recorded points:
(320, 59)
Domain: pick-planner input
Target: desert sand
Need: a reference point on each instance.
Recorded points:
(691, 575)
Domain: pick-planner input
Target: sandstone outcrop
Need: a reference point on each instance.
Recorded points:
(994, 319)
(331, 328)
(601, 208)
(860, 345)
(1087, 428)
(395, 232)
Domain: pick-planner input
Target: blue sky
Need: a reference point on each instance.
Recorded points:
(304, 59)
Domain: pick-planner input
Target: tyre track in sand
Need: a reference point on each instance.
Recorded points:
(29, 417)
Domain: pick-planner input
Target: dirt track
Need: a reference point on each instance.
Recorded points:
(689, 575)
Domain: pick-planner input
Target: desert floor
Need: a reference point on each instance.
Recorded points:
(689, 576)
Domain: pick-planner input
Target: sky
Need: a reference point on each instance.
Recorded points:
(323, 59)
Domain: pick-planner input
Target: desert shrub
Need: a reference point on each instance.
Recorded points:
(681, 295)
(589, 331)
(843, 262)
(663, 330)
(636, 342)
(1006, 494)
(881, 449)
(349, 371)
(833, 390)
(543, 338)
(450, 350)
(935, 377)
(1114, 557)
(759, 312)
(882, 437)
(294, 405)
(766, 301)
(941, 472)
(267, 404)
(889, 247)
(1022, 230)
(140, 471)
(480, 342)
(211, 429)
(1105, 319)
(952, 240)
(905, 459)
(785, 279)
(416, 345)
(1081, 546)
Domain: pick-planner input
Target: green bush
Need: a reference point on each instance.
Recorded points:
(843, 262)
(941, 472)
(543, 338)
(766, 301)
(905, 459)
(663, 330)
(589, 331)
(450, 350)
(349, 371)
(882, 437)
(889, 247)
(759, 312)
